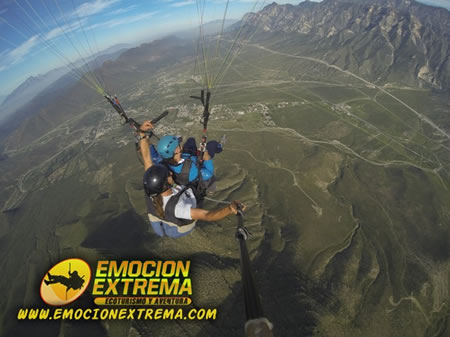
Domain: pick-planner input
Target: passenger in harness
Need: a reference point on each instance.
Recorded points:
(173, 210)
(183, 162)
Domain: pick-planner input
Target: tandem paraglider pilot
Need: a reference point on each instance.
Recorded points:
(172, 209)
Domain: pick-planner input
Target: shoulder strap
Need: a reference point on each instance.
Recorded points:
(182, 178)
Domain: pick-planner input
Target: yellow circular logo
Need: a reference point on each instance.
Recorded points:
(65, 282)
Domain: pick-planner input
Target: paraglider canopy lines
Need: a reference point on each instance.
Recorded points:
(237, 45)
(91, 76)
(221, 29)
(72, 71)
(97, 66)
(34, 25)
(201, 11)
(86, 65)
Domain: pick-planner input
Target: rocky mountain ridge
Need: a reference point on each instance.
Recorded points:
(399, 41)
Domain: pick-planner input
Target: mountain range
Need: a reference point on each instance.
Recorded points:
(36, 85)
(346, 181)
(399, 41)
(50, 108)
(29, 89)
(209, 28)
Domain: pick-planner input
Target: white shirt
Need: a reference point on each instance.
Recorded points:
(185, 203)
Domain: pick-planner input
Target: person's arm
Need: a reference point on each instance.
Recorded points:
(144, 145)
(207, 168)
(218, 214)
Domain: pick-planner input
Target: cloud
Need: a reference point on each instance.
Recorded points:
(131, 19)
(121, 21)
(4, 52)
(183, 3)
(90, 8)
(122, 10)
(54, 33)
(11, 57)
(18, 53)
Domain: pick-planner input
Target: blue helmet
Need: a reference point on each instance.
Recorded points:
(167, 145)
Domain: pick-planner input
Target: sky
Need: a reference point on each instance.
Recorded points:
(39, 35)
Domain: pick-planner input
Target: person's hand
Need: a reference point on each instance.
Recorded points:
(147, 125)
(236, 205)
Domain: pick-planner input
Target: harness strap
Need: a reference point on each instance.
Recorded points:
(182, 178)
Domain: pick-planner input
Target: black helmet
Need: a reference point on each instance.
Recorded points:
(155, 180)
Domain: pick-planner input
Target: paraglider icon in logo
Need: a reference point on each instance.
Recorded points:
(59, 289)
(73, 282)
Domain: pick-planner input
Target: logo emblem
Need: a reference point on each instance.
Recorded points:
(65, 282)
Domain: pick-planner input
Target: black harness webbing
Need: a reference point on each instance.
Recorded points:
(182, 178)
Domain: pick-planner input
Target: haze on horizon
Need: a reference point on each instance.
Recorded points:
(38, 37)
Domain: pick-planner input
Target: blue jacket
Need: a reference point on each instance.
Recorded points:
(207, 168)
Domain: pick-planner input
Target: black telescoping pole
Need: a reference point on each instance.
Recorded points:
(256, 325)
(206, 111)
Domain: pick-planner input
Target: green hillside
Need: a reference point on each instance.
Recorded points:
(346, 182)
